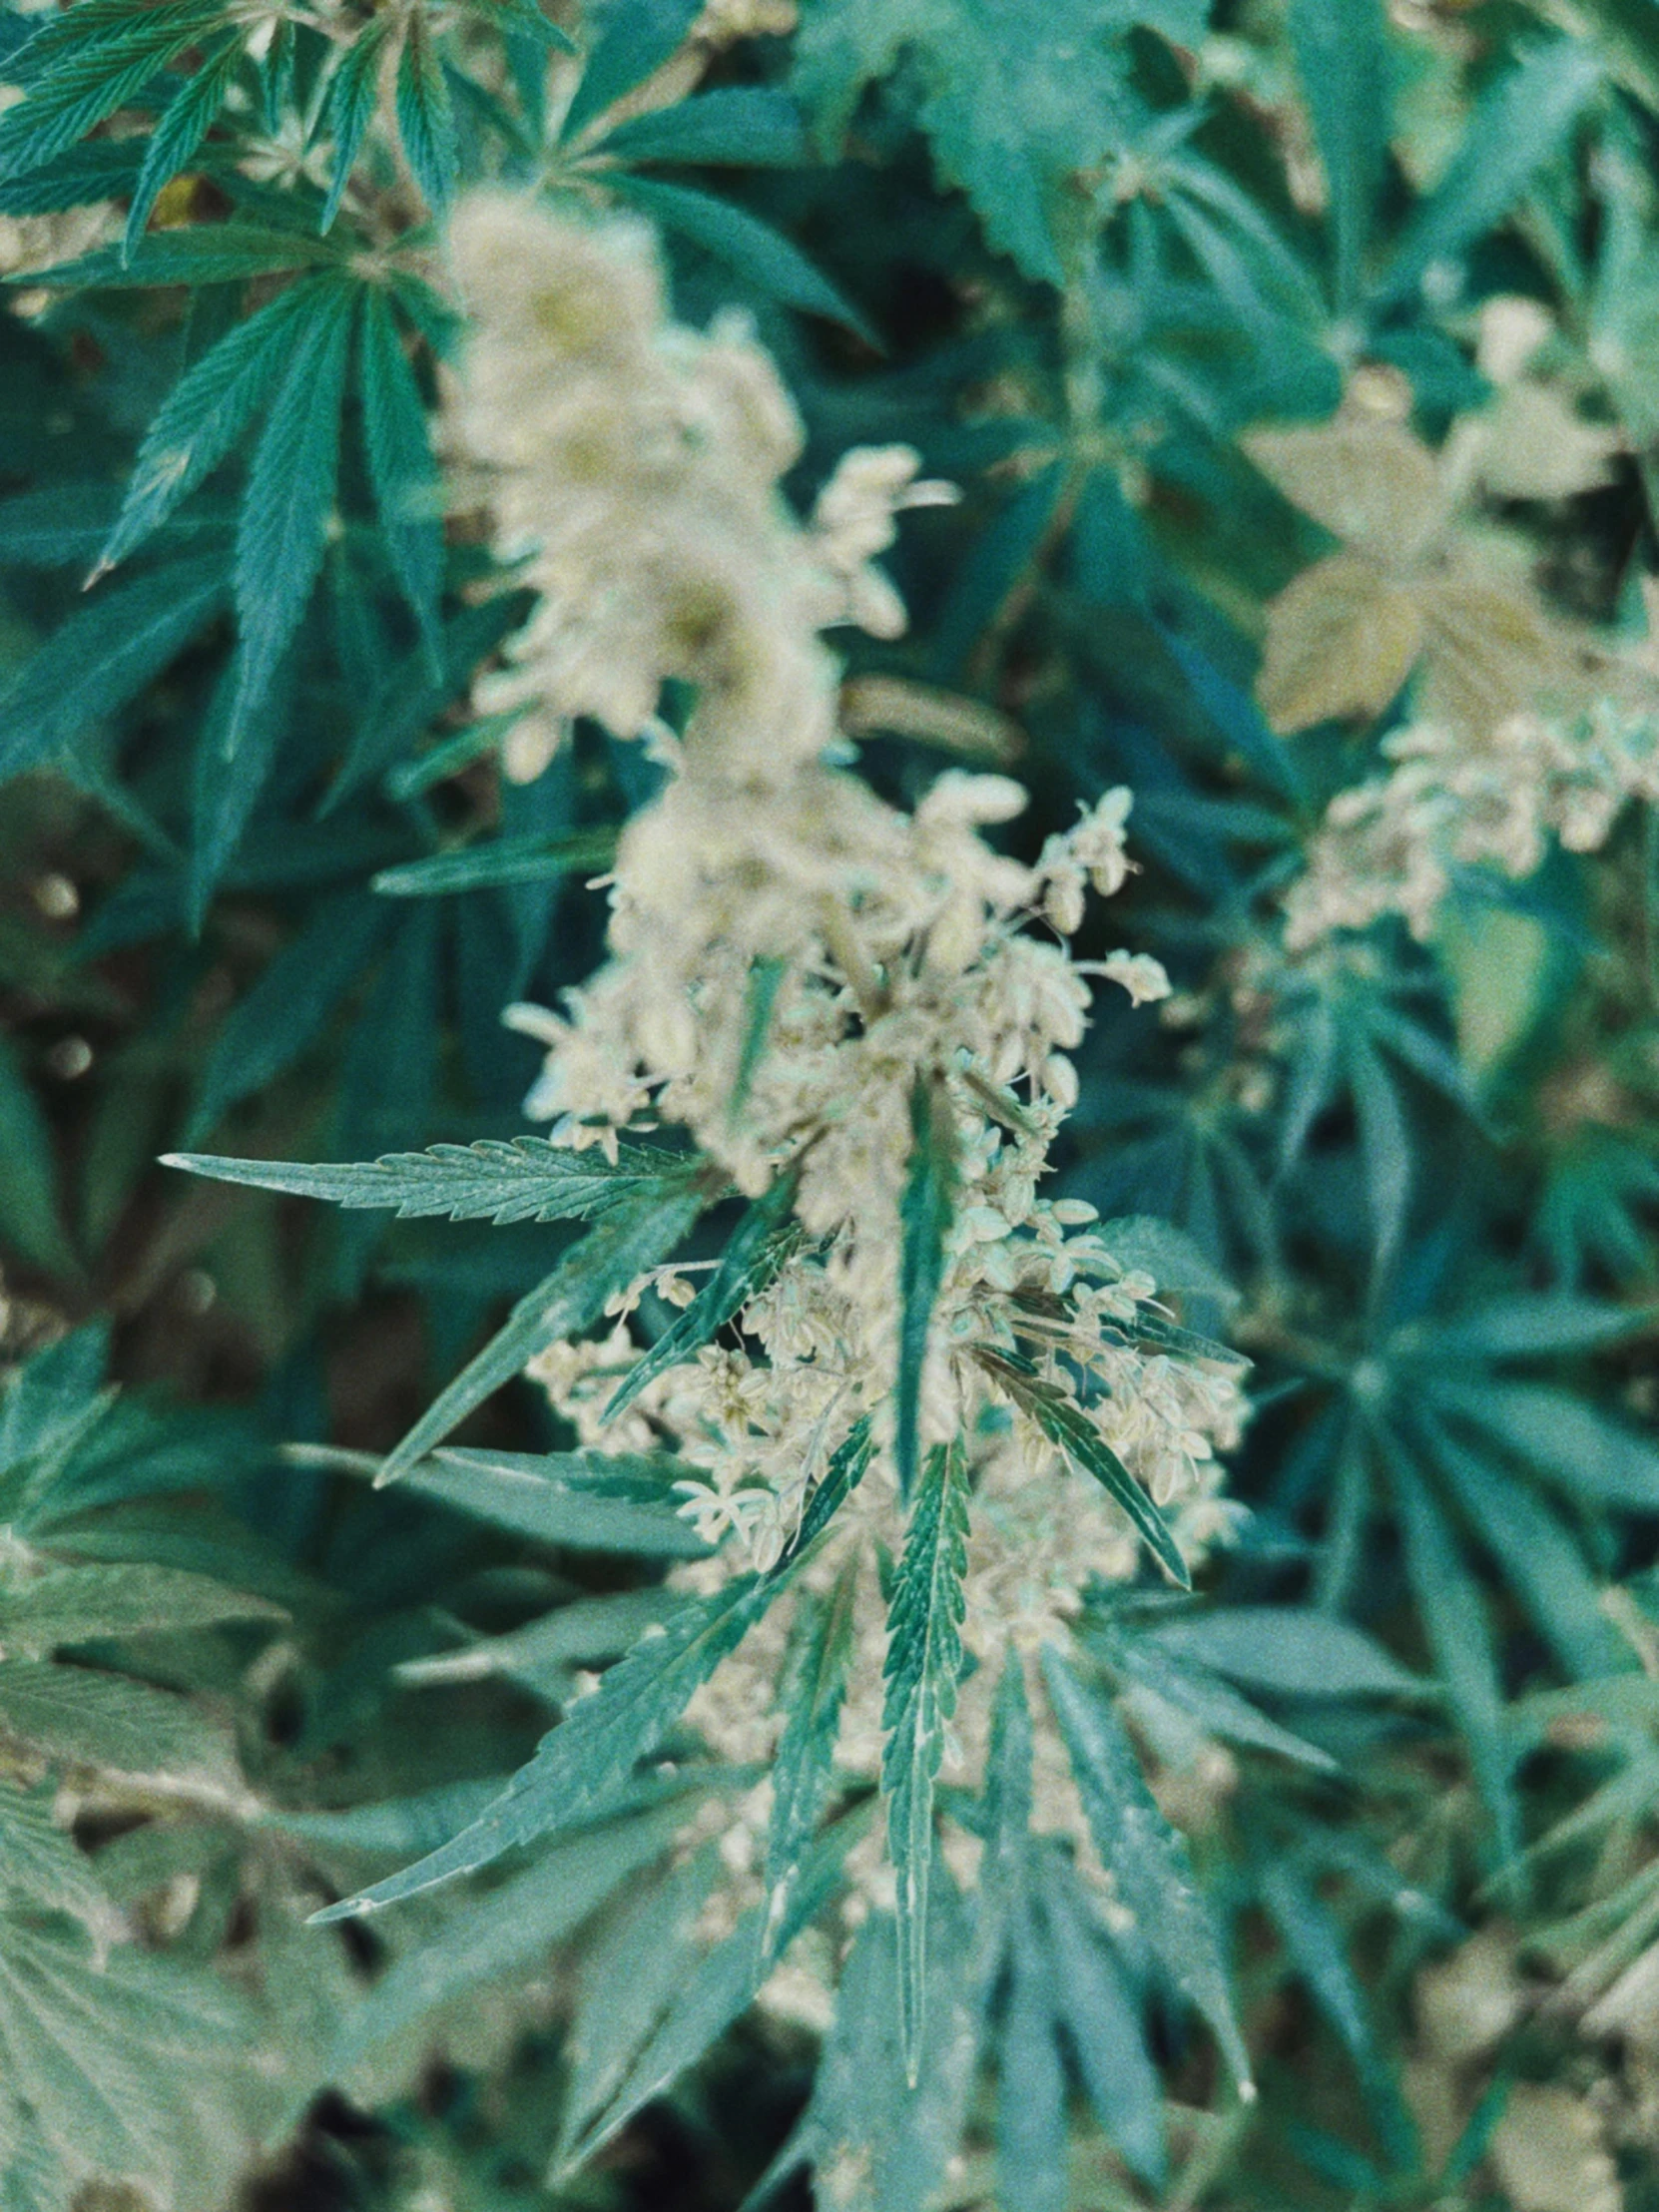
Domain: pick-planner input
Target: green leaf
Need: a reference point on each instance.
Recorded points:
(1454, 1619)
(99, 170)
(105, 1720)
(215, 253)
(90, 81)
(1104, 2026)
(352, 101)
(1289, 1652)
(30, 1219)
(496, 1179)
(290, 498)
(1167, 1255)
(509, 1930)
(1549, 1325)
(752, 251)
(1596, 1462)
(803, 1768)
(740, 126)
(41, 1867)
(595, 1749)
(583, 1500)
(107, 652)
(286, 1009)
(926, 1209)
(1385, 1151)
(202, 418)
(79, 1605)
(183, 124)
(1519, 124)
(628, 41)
(543, 1652)
(1019, 97)
(1069, 1428)
(400, 464)
(1158, 1691)
(495, 862)
(922, 1671)
(426, 117)
(1148, 1859)
(849, 1464)
(1341, 57)
(624, 1246)
(1031, 2127)
(759, 1246)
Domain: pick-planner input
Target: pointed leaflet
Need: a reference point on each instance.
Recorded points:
(400, 464)
(803, 1768)
(1104, 2023)
(290, 495)
(202, 418)
(1341, 57)
(1067, 1427)
(1032, 2129)
(496, 1179)
(31, 1221)
(351, 99)
(183, 124)
(608, 1259)
(497, 862)
(1518, 126)
(923, 1663)
(73, 94)
(1147, 1856)
(1454, 1619)
(215, 253)
(629, 39)
(102, 657)
(758, 1247)
(925, 1217)
(425, 119)
(595, 1749)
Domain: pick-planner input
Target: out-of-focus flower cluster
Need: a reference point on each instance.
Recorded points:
(1388, 845)
(791, 958)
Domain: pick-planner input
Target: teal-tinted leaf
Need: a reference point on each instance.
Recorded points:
(1385, 1151)
(228, 782)
(741, 125)
(395, 1825)
(425, 117)
(759, 1246)
(41, 1867)
(1550, 1325)
(286, 1009)
(104, 656)
(624, 1245)
(1540, 1558)
(105, 1720)
(509, 1930)
(1001, 557)
(584, 1500)
(1518, 126)
(214, 253)
(530, 859)
(351, 99)
(1148, 1857)
(1069, 1428)
(761, 990)
(498, 1179)
(926, 1209)
(629, 39)
(400, 463)
(1031, 2131)
(849, 1464)
(1167, 1255)
(99, 170)
(1596, 1461)
(1194, 1695)
(1288, 1652)
(1315, 1949)
(1008, 1783)
(30, 1219)
(79, 1605)
(922, 1670)
(90, 81)
(183, 124)
(291, 498)
(543, 1652)
(1104, 2024)
(1341, 57)
(595, 1749)
(752, 251)
(803, 1768)
(1450, 1607)
(202, 418)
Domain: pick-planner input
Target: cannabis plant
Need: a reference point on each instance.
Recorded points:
(827, 1116)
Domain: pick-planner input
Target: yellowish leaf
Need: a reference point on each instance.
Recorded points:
(1549, 2153)
(1367, 480)
(1536, 445)
(1493, 652)
(1342, 639)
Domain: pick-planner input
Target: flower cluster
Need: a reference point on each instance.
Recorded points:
(793, 964)
(1388, 845)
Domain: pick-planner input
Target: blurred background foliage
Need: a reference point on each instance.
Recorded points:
(266, 888)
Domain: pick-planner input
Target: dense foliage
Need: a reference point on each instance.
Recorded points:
(702, 1502)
